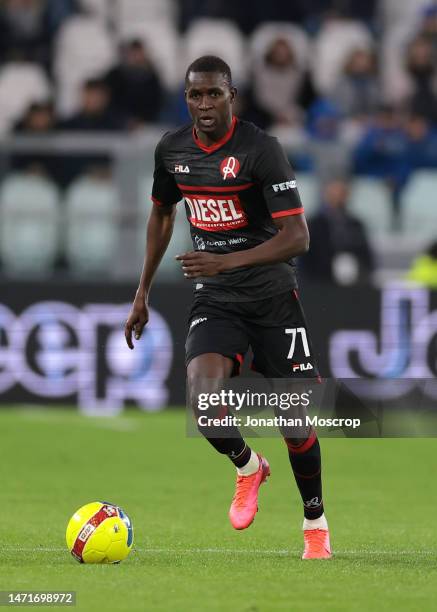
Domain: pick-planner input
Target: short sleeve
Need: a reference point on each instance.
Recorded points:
(164, 191)
(276, 178)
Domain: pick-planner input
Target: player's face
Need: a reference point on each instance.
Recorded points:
(209, 100)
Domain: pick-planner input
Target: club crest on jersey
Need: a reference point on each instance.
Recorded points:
(229, 168)
(181, 169)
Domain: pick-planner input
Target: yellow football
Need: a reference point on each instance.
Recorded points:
(99, 532)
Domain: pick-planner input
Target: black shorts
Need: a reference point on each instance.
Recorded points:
(274, 328)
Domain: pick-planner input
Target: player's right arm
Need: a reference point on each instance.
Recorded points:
(165, 195)
(159, 232)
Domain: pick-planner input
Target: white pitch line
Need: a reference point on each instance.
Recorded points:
(278, 552)
(101, 422)
(226, 551)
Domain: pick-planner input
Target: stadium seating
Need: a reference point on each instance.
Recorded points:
(145, 11)
(84, 49)
(86, 46)
(268, 32)
(334, 43)
(217, 37)
(180, 242)
(29, 224)
(398, 12)
(21, 83)
(99, 8)
(370, 200)
(91, 221)
(396, 83)
(419, 205)
(131, 12)
(162, 43)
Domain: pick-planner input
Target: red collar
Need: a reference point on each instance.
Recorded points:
(220, 142)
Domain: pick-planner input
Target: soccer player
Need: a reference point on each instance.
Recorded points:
(247, 223)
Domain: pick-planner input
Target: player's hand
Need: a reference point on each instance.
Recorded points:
(136, 321)
(200, 263)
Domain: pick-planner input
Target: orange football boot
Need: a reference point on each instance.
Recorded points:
(317, 545)
(245, 501)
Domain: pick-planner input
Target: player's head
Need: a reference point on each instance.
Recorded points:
(209, 93)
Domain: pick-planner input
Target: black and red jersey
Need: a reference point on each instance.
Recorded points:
(233, 190)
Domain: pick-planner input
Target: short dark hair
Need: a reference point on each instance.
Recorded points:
(210, 63)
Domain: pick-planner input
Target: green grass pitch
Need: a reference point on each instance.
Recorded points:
(380, 498)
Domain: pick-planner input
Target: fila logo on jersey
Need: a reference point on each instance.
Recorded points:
(180, 169)
(284, 186)
(302, 367)
(215, 214)
(229, 168)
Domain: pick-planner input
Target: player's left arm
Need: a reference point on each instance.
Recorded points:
(291, 240)
(274, 174)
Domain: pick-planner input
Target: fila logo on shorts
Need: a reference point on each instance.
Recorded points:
(302, 367)
(213, 214)
(229, 168)
(284, 186)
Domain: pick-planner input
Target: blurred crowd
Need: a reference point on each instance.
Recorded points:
(349, 86)
(355, 78)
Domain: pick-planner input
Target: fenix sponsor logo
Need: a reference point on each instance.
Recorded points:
(197, 321)
(284, 186)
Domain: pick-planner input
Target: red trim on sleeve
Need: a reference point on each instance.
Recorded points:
(217, 144)
(155, 201)
(287, 213)
(159, 203)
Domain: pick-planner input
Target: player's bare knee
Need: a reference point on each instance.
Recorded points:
(206, 375)
(200, 388)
